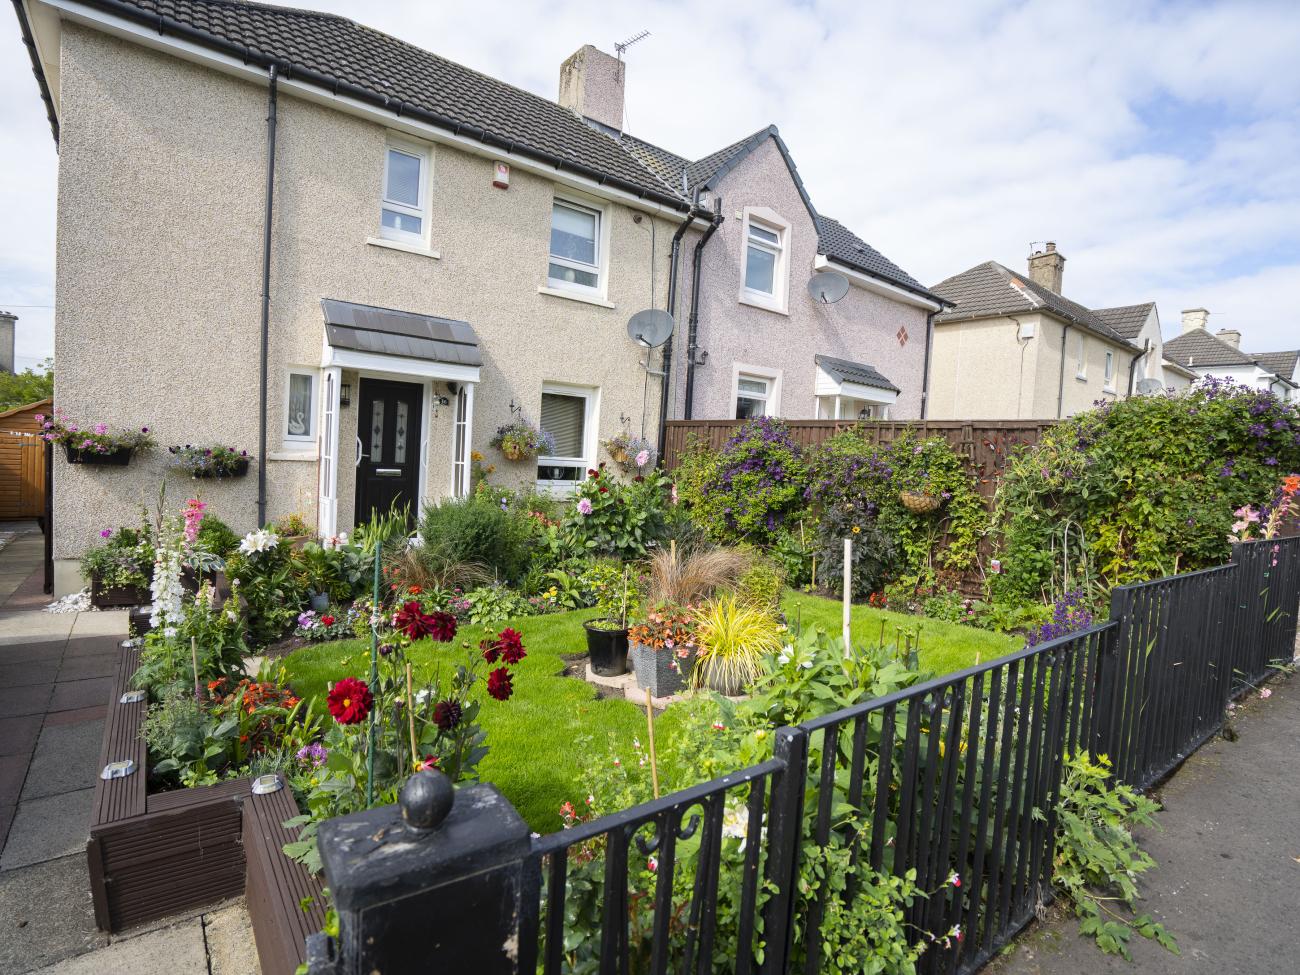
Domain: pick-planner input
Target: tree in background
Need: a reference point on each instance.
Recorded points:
(28, 386)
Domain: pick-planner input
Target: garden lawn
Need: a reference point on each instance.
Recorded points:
(535, 754)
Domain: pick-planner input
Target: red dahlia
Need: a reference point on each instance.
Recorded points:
(350, 701)
(511, 644)
(490, 649)
(413, 621)
(498, 684)
(443, 627)
(446, 714)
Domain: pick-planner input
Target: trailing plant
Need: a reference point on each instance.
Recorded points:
(1097, 859)
(125, 559)
(520, 440)
(209, 461)
(94, 439)
(630, 453)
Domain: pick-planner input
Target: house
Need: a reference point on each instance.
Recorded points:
(1219, 355)
(1013, 346)
(283, 231)
(1140, 325)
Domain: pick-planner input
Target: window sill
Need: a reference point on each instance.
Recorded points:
(398, 245)
(576, 296)
(1109, 390)
(771, 306)
(305, 455)
(1080, 377)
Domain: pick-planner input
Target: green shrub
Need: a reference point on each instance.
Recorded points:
(217, 537)
(478, 531)
(609, 517)
(126, 559)
(762, 583)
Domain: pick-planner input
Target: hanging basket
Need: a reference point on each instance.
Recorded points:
(514, 452)
(919, 504)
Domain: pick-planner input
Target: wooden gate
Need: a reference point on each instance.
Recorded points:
(22, 462)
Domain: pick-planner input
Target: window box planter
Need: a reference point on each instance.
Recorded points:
(607, 647)
(113, 458)
(116, 597)
(659, 671)
(238, 469)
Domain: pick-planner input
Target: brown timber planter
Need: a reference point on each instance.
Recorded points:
(152, 856)
(115, 597)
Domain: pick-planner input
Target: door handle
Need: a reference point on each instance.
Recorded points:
(388, 471)
(360, 455)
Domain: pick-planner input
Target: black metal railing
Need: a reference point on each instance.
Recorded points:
(956, 778)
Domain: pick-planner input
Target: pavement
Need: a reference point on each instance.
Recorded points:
(55, 678)
(1228, 855)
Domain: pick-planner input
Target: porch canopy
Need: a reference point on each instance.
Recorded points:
(850, 390)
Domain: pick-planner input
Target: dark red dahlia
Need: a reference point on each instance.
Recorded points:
(511, 644)
(413, 621)
(443, 628)
(350, 701)
(498, 684)
(490, 650)
(446, 714)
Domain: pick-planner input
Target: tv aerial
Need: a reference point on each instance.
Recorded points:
(622, 46)
(650, 328)
(828, 287)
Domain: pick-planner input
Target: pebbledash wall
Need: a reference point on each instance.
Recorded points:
(160, 209)
(861, 327)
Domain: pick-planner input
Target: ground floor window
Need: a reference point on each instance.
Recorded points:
(568, 414)
(300, 408)
(755, 391)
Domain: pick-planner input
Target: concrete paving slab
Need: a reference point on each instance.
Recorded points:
(65, 759)
(75, 715)
(29, 672)
(81, 693)
(176, 950)
(46, 828)
(35, 627)
(16, 653)
(229, 935)
(25, 700)
(46, 915)
(6, 819)
(18, 735)
(91, 665)
(113, 622)
(86, 646)
(13, 769)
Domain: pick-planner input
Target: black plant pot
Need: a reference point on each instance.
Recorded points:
(114, 458)
(239, 469)
(608, 649)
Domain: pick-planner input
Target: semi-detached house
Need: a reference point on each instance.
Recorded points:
(286, 232)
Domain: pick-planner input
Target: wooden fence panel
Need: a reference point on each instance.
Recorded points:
(22, 475)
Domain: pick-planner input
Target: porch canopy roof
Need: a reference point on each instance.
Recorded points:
(400, 342)
(840, 377)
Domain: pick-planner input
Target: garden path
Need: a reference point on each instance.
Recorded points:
(55, 677)
(1229, 862)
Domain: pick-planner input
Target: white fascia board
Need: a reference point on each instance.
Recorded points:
(188, 51)
(44, 24)
(397, 365)
(869, 393)
(867, 283)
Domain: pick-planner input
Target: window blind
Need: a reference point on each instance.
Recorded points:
(563, 417)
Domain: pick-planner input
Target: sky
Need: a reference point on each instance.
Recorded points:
(1157, 143)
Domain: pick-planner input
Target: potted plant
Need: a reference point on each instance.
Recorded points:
(520, 440)
(209, 461)
(607, 633)
(734, 635)
(121, 569)
(293, 530)
(630, 453)
(663, 649)
(96, 445)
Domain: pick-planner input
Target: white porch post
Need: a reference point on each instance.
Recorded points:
(466, 474)
(328, 493)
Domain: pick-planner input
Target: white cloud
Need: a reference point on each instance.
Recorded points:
(1158, 144)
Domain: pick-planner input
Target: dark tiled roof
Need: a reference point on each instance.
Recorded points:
(1279, 363)
(1127, 320)
(844, 371)
(842, 245)
(366, 328)
(1196, 348)
(990, 289)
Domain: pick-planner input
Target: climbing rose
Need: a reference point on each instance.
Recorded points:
(511, 644)
(446, 715)
(498, 684)
(350, 701)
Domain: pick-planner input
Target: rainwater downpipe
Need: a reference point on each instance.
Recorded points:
(1132, 363)
(925, 375)
(273, 75)
(692, 331)
(671, 304)
(1060, 383)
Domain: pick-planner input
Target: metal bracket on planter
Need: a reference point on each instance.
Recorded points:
(131, 697)
(118, 770)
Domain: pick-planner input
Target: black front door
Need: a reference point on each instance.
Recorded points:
(388, 426)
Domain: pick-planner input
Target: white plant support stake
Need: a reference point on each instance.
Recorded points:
(848, 593)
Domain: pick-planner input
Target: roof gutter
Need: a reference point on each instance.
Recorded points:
(673, 264)
(692, 343)
(29, 42)
(288, 70)
(271, 113)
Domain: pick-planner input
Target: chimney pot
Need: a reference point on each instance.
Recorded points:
(7, 322)
(1194, 318)
(1047, 268)
(591, 85)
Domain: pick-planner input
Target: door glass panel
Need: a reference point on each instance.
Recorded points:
(399, 438)
(377, 432)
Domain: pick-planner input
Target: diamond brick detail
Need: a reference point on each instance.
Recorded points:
(902, 335)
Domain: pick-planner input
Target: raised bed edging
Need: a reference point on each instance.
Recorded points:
(153, 856)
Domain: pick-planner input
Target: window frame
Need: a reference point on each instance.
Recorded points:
(1108, 376)
(772, 222)
(298, 441)
(1081, 357)
(590, 417)
(425, 157)
(772, 377)
(601, 243)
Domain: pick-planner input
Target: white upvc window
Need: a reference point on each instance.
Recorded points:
(568, 414)
(765, 272)
(404, 207)
(1109, 384)
(300, 392)
(577, 247)
(755, 391)
(1080, 357)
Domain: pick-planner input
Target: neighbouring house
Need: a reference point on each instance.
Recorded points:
(1140, 325)
(283, 231)
(1219, 355)
(1013, 346)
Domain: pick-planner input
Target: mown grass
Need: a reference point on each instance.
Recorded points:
(536, 738)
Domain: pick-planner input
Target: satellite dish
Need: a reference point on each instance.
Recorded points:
(650, 328)
(1149, 387)
(828, 287)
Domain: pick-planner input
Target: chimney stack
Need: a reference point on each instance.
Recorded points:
(591, 84)
(7, 322)
(1195, 318)
(1047, 267)
(1231, 336)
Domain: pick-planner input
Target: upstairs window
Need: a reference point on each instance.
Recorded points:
(766, 271)
(1080, 358)
(575, 247)
(1110, 370)
(762, 256)
(404, 208)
